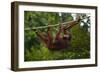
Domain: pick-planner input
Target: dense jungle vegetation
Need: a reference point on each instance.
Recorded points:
(35, 49)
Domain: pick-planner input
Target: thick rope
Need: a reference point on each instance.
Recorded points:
(42, 27)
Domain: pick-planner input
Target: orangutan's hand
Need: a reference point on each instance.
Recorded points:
(78, 19)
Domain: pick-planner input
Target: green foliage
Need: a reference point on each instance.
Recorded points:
(40, 18)
(35, 50)
(80, 38)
